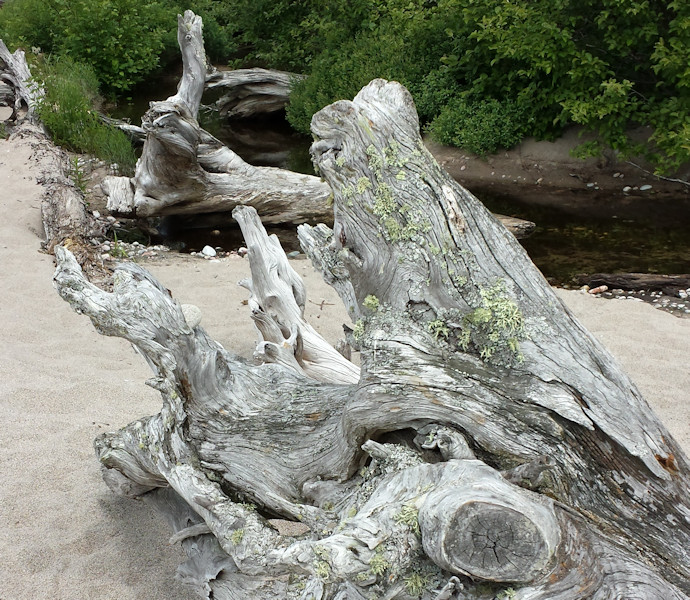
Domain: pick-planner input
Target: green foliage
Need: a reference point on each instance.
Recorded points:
(66, 111)
(220, 27)
(117, 250)
(486, 73)
(416, 584)
(483, 73)
(3, 130)
(27, 23)
(77, 174)
(481, 127)
(121, 40)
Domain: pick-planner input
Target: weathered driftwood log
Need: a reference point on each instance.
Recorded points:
(135, 133)
(63, 211)
(507, 449)
(17, 74)
(249, 92)
(185, 170)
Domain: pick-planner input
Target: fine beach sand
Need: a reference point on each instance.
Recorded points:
(64, 534)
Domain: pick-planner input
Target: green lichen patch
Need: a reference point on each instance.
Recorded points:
(408, 516)
(393, 156)
(237, 536)
(375, 160)
(497, 324)
(384, 202)
(322, 566)
(416, 584)
(363, 184)
(438, 328)
(378, 564)
(371, 302)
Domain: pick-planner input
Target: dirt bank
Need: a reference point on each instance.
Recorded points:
(541, 172)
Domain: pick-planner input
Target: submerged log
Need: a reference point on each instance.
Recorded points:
(250, 92)
(488, 442)
(668, 284)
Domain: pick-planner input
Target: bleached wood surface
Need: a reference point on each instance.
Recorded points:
(531, 461)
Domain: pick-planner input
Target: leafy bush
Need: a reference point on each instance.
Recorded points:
(609, 65)
(27, 23)
(121, 39)
(481, 127)
(66, 111)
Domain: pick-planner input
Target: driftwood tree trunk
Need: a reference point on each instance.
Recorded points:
(249, 92)
(185, 170)
(489, 446)
(66, 221)
(16, 73)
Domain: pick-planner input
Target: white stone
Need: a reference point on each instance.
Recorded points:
(627, 188)
(644, 188)
(208, 251)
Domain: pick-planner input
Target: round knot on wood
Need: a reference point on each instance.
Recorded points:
(489, 540)
(478, 533)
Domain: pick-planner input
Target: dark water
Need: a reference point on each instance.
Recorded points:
(636, 236)
(643, 235)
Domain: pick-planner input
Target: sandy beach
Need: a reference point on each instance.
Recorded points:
(64, 534)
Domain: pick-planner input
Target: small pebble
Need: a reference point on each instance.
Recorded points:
(96, 214)
(599, 290)
(627, 189)
(644, 188)
(242, 251)
(208, 251)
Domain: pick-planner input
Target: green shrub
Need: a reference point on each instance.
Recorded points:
(482, 127)
(608, 65)
(121, 39)
(386, 40)
(28, 23)
(67, 112)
